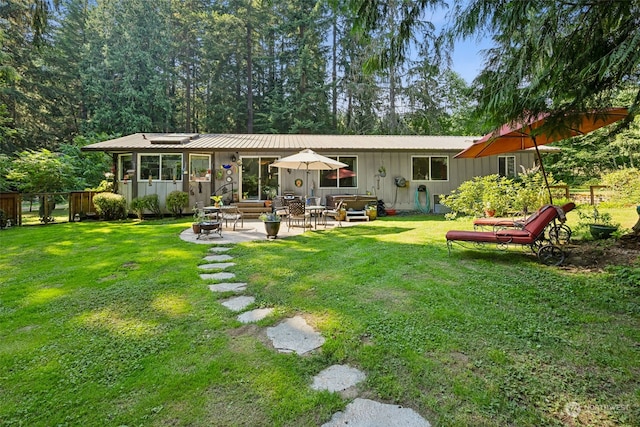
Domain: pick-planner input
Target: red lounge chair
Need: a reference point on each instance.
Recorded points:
(531, 234)
(561, 233)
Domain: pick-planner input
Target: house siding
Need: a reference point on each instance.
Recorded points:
(395, 153)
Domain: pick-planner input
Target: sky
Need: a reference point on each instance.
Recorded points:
(467, 57)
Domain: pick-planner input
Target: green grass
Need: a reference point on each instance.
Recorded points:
(110, 324)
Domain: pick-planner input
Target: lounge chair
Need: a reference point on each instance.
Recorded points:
(561, 233)
(532, 234)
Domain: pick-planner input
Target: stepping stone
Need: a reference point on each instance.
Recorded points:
(219, 249)
(227, 287)
(255, 315)
(238, 303)
(294, 335)
(218, 258)
(216, 266)
(365, 412)
(217, 276)
(337, 378)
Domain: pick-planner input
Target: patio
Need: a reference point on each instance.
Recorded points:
(253, 229)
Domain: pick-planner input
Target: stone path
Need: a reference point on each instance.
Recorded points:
(294, 335)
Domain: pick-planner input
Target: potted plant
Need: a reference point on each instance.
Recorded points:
(271, 224)
(372, 212)
(600, 224)
(217, 201)
(197, 220)
(269, 192)
(382, 171)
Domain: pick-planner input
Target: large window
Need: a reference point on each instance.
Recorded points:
(346, 177)
(507, 166)
(258, 180)
(430, 168)
(200, 167)
(165, 167)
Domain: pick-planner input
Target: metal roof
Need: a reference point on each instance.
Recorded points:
(280, 142)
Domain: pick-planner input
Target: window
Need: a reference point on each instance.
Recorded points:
(430, 168)
(346, 177)
(258, 180)
(164, 167)
(200, 167)
(507, 166)
(125, 167)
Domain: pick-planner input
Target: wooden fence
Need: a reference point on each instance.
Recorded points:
(80, 206)
(11, 204)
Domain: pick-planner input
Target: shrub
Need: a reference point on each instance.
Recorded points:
(177, 201)
(110, 206)
(490, 192)
(149, 203)
(625, 184)
(153, 204)
(137, 206)
(500, 194)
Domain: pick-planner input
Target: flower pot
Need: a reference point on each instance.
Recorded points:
(599, 231)
(372, 214)
(196, 228)
(272, 228)
(489, 212)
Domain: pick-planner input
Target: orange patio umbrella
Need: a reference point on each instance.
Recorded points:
(541, 130)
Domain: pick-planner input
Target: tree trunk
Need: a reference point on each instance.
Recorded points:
(249, 74)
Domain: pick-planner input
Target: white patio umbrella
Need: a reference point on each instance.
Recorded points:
(307, 160)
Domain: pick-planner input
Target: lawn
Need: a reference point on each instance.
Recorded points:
(110, 324)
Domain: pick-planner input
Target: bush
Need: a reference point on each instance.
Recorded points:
(137, 206)
(176, 201)
(110, 206)
(625, 184)
(149, 203)
(500, 194)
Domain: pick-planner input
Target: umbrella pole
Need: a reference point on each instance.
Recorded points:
(544, 174)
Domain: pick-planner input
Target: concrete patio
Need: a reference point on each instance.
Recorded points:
(253, 229)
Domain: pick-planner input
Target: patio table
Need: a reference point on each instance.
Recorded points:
(315, 211)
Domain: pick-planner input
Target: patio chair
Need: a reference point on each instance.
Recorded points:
(298, 214)
(280, 206)
(532, 234)
(335, 213)
(231, 214)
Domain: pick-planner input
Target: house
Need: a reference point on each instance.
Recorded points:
(390, 167)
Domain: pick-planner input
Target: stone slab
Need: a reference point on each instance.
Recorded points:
(255, 315)
(238, 303)
(337, 378)
(228, 287)
(218, 258)
(217, 276)
(294, 335)
(369, 413)
(216, 266)
(218, 249)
